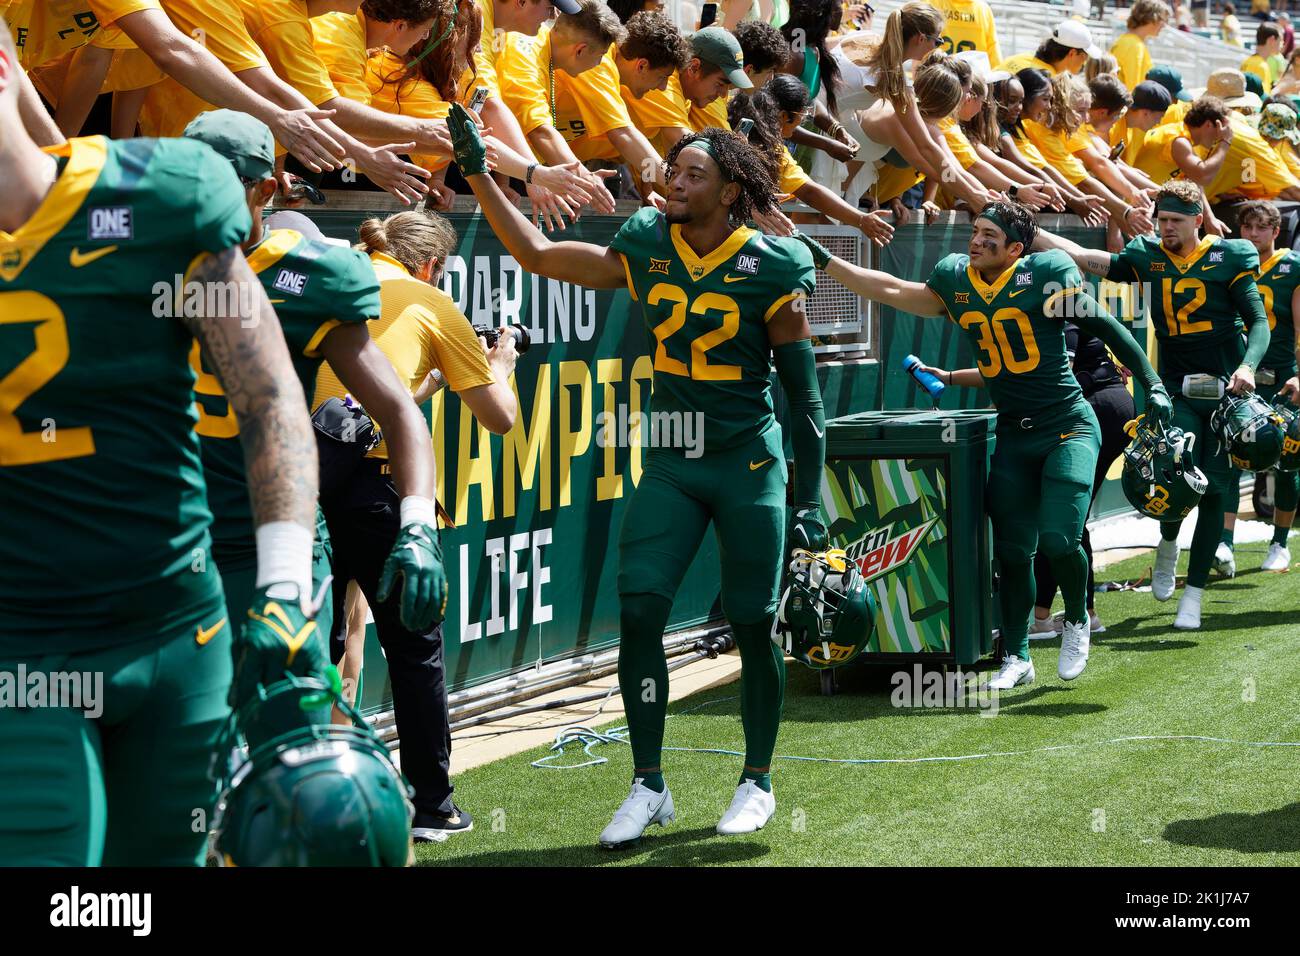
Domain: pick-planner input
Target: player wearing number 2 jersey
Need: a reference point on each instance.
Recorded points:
(1200, 293)
(1013, 308)
(723, 304)
(103, 546)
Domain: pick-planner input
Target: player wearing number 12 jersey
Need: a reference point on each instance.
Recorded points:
(104, 574)
(1013, 308)
(724, 304)
(1202, 292)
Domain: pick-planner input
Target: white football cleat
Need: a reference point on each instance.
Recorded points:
(1225, 562)
(1074, 650)
(750, 809)
(641, 808)
(1044, 628)
(1162, 578)
(1189, 609)
(1094, 622)
(1013, 672)
(1277, 559)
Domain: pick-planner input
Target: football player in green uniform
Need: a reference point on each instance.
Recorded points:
(323, 294)
(104, 542)
(724, 304)
(1013, 307)
(1201, 292)
(1279, 286)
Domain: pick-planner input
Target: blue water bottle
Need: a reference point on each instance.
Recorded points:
(912, 365)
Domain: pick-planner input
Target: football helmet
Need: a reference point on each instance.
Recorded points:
(319, 794)
(1250, 429)
(1159, 479)
(1290, 416)
(827, 612)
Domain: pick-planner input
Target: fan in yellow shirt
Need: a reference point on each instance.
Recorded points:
(1219, 150)
(716, 65)
(1268, 43)
(969, 26)
(1150, 101)
(1278, 126)
(1066, 50)
(1146, 19)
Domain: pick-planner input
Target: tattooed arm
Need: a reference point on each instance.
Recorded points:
(252, 362)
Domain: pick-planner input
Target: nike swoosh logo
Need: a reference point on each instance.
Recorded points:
(755, 467)
(1066, 435)
(731, 278)
(1209, 267)
(202, 636)
(1012, 295)
(819, 432)
(79, 258)
(277, 301)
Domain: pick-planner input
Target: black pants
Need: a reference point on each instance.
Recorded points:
(363, 522)
(1114, 407)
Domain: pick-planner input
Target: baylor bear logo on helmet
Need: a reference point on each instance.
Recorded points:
(1159, 479)
(827, 611)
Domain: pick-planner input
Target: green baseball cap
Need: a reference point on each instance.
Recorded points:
(716, 46)
(244, 140)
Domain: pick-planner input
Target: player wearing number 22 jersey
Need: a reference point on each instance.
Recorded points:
(723, 305)
(1013, 308)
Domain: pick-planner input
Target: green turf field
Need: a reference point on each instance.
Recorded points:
(1133, 803)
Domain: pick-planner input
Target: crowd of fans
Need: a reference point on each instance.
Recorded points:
(858, 116)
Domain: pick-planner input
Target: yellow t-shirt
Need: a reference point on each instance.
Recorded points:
(393, 92)
(1134, 59)
(1259, 66)
(1132, 138)
(284, 32)
(419, 328)
(108, 13)
(793, 177)
(893, 181)
(340, 41)
(43, 34)
(169, 107)
(1058, 149)
(660, 109)
(715, 114)
(1252, 167)
(957, 142)
(490, 47)
(1177, 110)
(526, 77)
(1025, 61)
(1155, 157)
(1028, 150)
(1290, 158)
(969, 26)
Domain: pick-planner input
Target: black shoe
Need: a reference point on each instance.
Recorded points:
(437, 827)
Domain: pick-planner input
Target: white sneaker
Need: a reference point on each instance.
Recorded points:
(1074, 650)
(1189, 609)
(641, 808)
(1162, 579)
(750, 809)
(1094, 622)
(1044, 629)
(1225, 562)
(1277, 559)
(1014, 672)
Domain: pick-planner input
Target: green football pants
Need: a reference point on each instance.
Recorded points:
(1193, 415)
(741, 491)
(129, 785)
(1038, 495)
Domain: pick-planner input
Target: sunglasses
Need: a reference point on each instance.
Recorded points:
(938, 40)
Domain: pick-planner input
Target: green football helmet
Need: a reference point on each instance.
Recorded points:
(1290, 415)
(1159, 479)
(827, 612)
(319, 794)
(1250, 429)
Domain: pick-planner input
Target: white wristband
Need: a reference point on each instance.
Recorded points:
(284, 557)
(417, 508)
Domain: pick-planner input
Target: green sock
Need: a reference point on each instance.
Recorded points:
(1226, 537)
(652, 781)
(1169, 530)
(1016, 593)
(764, 780)
(1279, 536)
(762, 692)
(1071, 573)
(643, 674)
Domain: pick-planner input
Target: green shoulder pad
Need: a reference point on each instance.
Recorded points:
(645, 229)
(946, 274)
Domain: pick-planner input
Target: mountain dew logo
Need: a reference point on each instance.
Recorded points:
(880, 551)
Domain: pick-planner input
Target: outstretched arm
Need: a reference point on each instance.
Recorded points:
(1094, 261)
(913, 297)
(580, 262)
(1093, 317)
(1245, 296)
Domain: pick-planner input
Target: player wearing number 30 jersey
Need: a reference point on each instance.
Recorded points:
(723, 304)
(1013, 308)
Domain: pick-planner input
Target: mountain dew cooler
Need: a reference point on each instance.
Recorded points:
(903, 495)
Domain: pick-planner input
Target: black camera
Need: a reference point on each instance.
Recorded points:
(522, 339)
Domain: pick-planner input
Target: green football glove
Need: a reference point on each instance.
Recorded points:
(807, 531)
(1160, 408)
(466, 142)
(417, 557)
(279, 636)
(821, 256)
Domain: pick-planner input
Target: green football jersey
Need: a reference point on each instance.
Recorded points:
(709, 317)
(101, 485)
(1277, 282)
(1190, 301)
(314, 286)
(1017, 326)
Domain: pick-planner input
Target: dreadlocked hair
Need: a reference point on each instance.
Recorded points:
(983, 126)
(1067, 91)
(766, 133)
(806, 30)
(741, 164)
